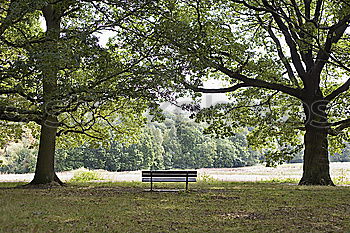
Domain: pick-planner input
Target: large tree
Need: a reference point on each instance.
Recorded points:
(63, 80)
(285, 65)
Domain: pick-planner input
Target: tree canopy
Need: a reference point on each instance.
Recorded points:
(62, 79)
(285, 65)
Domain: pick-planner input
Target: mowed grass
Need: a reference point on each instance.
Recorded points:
(207, 207)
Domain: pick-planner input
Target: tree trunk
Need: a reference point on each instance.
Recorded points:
(45, 169)
(316, 162)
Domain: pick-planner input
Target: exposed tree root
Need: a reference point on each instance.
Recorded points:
(323, 182)
(38, 183)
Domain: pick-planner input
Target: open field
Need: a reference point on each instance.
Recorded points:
(340, 173)
(207, 207)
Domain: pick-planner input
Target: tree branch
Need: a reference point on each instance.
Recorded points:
(5, 109)
(14, 117)
(341, 126)
(317, 11)
(334, 35)
(300, 16)
(281, 54)
(8, 91)
(338, 91)
(218, 90)
(289, 40)
(62, 132)
(256, 82)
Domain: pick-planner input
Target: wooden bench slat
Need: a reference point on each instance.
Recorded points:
(171, 171)
(168, 179)
(169, 174)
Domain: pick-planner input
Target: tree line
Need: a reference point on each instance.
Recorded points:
(175, 143)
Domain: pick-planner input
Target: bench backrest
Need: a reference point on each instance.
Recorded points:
(160, 173)
(169, 176)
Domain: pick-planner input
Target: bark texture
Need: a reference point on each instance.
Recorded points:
(45, 168)
(316, 161)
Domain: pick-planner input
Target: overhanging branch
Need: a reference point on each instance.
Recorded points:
(13, 117)
(217, 90)
(335, 33)
(280, 53)
(341, 125)
(249, 82)
(338, 91)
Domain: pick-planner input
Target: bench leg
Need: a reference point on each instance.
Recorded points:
(186, 181)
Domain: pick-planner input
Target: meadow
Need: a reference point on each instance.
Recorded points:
(287, 173)
(209, 206)
(90, 202)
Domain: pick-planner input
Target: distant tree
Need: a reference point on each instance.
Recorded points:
(147, 153)
(227, 155)
(344, 156)
(162, 146)
(171, 144)
(19, 156)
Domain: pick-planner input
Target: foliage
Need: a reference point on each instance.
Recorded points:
(18, 159)
(91, 97)
(206, 178)
(160, 146)
(85, 176)
(59, 76)
(176, 143)
(343, 177)
(284, 67)
(20, 156)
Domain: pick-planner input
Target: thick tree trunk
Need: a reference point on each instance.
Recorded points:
(316, 162)
(45, 169)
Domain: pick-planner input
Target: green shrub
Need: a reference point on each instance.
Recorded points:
(18, 159)
(206, 178)
(342, 178)
(86, 176)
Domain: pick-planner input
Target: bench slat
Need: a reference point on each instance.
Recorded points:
(168, 179)
(169, 173)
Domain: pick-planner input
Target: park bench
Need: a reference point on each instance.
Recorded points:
(169, 176)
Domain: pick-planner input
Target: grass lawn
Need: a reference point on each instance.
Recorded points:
(208, 207)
